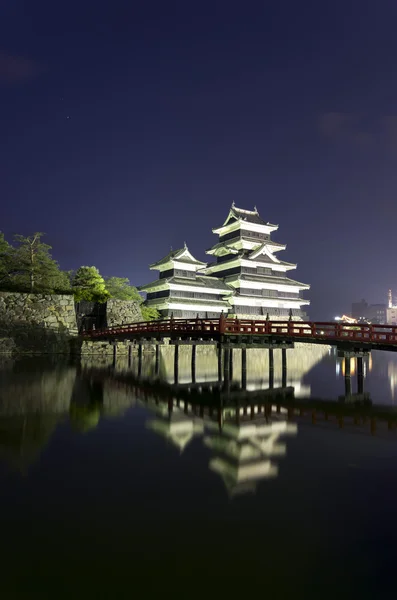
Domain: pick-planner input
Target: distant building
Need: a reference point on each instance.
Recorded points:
(392, 316)
(359, 309)
(374, 313)
(377, 313)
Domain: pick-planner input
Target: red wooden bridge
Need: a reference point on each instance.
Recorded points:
(236, 331)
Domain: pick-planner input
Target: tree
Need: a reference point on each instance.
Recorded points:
(149, 313)
(61, 282)
(88, 284)
(32, 269)
(5, 260)
(120, 288)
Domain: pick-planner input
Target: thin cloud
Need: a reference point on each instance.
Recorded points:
(350, 128)
(16, 70)
(389, 129)
(334, 124)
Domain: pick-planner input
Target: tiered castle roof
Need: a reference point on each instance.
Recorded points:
(246, 279)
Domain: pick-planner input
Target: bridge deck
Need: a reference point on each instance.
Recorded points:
(244, 331)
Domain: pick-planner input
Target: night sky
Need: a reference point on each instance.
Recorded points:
(128, 127)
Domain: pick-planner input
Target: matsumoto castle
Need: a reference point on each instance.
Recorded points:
(247, 280)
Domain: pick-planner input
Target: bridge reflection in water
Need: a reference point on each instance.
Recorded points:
(246, 414)
(246, 421)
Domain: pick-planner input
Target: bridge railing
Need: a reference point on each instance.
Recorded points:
(386, 334)
(163, 326)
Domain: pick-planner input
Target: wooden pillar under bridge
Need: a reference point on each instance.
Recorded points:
(130, 355)
(194, 351)
(226, 361)
(231, 364)
(114, 353)
(348, 386)
(347, 360)
(360, 375)
(220, 355)
(139, 359)
(271, 359)
(157, 360)
(284, 366)
(348, 381)
(244, 368)
(226, 368)
(271, 368)
(176, 363)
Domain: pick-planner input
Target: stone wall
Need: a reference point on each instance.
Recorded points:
(36, 323)
(106, 348)
(102, 348)
(122, 312)
(46, 324)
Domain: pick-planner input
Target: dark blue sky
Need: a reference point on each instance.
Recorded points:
(127, 127)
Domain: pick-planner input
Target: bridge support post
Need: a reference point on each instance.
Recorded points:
(220, 356)
(360, 375)
(157, 360)
(348, 381)
(231, 363)
(347, 366)
(139, 359)
(226, 368)
(194, 350)
(114, 353)
(348, 386)
(271, 368)
(129, 355)
(284, 366)
(244, 368)
(226, 361)
(176, 363)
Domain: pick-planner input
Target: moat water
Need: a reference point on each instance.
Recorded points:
(110, 474)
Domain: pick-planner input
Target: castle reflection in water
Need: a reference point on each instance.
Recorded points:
(245, 426)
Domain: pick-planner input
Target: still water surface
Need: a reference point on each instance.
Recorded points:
(111, 472)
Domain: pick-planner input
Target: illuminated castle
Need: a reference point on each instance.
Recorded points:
(247, 280)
